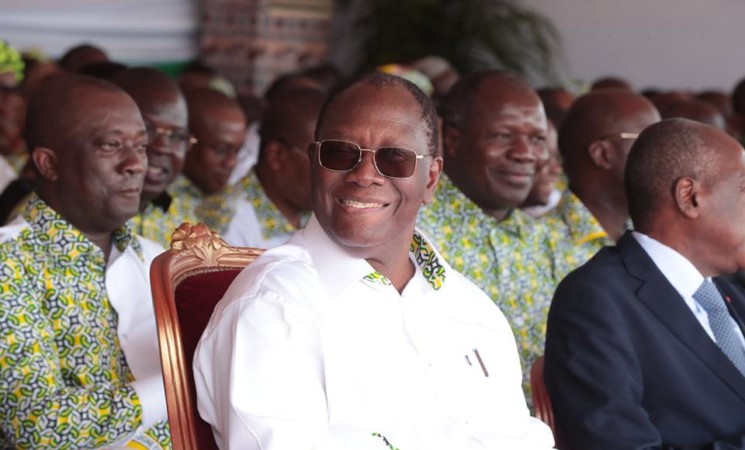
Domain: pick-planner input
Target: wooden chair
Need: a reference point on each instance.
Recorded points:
(187, 282)
(542, 403)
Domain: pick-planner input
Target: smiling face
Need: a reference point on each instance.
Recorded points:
(496, 150)
(165, 154)
(100, 162)
(366, 213)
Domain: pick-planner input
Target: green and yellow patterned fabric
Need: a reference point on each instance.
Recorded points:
(574, 233)
(426, 259)
(509, 260)
(271, 220)
(63, 375)
(158, 222)
(215, 210)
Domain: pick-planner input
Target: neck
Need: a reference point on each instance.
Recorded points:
(269, 184)
(399, 270)
(458, 180)
(103, 240)
(612, 213)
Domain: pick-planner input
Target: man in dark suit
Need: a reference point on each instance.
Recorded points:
(639, 354)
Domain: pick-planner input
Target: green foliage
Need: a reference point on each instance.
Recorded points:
(471, 34)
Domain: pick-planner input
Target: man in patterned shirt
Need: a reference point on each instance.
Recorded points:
(494, 137)
(275, 196)
(163, 109)
(594, 140)
(219, 126)
(79, 361)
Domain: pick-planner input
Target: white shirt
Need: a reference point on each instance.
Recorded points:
(247, 155)
(305, 352)
(684, 277)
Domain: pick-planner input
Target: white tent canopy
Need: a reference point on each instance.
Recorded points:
(130, 31)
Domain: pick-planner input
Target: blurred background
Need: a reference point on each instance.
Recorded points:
(671, 44)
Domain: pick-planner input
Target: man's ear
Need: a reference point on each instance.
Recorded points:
(686, 192)
(601, 153)
(45, 160)
(274, 154)
(450, 140)
(433, 176)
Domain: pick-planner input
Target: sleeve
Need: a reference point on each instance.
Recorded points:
(259, 376)
(37, 408)
(592, 372)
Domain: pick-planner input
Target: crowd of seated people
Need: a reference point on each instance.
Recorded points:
(430, 235)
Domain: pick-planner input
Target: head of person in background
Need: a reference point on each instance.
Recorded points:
(219, 126)
(287, 81)
(723, 102)
(692, 109)
(594, 141)
(410, 74)
(494, 139)
(105, 70)
(90, 158)
(327, 75)
(283, 167)
(611, 82)
(440, 72)
(80, 56)
(544, 195)
(164, 112)
(556, 102)
(12, 101)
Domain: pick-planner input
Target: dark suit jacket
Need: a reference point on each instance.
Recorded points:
(629, 367)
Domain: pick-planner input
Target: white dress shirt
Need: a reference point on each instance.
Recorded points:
(684, 277)
(311, 349)
(246, 230)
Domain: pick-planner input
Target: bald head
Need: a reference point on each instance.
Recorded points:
(385, 81)
(610, 83)
(148, 87)
(204, 103)
(695, 110)
(55, 108)
(291, 115)
(664, 153)
(597, 115)
(80, 56)
(460, 104)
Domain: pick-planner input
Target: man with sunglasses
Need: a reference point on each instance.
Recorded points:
(594, 140)
(356, 334)
(274, 198)
(163, 109)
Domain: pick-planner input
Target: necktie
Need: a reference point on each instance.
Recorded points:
(711, 300)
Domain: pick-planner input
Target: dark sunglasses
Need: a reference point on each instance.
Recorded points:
(343, 156)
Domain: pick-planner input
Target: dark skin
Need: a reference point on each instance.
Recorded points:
(601, 151)
(96, 155)
(494, 155)
(369, 215)
(283, 167)
(163, 109)
(219, 126)
(702, 216)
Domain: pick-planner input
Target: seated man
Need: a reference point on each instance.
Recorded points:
(594, 139)
(219, 126)
(357, 334)
(643, 351)
(79, 361)
(275, 196)
(494, 138)
(164, 111)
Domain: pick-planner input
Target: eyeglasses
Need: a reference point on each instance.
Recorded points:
(391, 162)
(620, 136)
(172, 137)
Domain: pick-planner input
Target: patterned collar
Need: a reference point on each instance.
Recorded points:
(517, 222)
(57, 234)
(337, 269)
(583, 226)
(271, 219)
